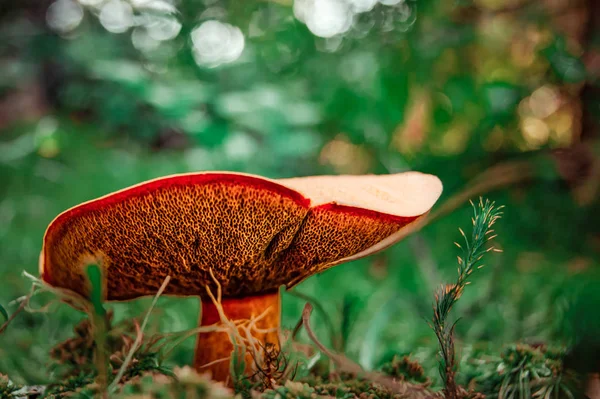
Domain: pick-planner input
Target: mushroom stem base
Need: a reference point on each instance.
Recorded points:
(214, 346)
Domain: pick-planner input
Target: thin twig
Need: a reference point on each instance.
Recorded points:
(498, 176)
(297, 328)
(339, 360)
(138, 338)
(22, 306)
(74, 299)
(336, 342)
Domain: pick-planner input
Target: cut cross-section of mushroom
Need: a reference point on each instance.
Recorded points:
(254, 234)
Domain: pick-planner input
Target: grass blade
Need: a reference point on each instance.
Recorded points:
(4, 313)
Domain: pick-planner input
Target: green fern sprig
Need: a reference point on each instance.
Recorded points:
(485, 215)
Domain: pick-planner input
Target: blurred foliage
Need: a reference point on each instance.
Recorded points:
(98, 95)
(525, 372)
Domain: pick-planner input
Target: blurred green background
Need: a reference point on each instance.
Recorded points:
(96, 95)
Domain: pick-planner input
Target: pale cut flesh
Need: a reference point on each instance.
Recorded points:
(401, 194)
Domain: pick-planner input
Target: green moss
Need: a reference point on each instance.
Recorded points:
(183, 383)
(7, 387)
(405, 368)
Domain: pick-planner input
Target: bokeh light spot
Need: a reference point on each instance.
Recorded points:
(64, 15)
(162, 27)
(215, 43)
(535, 132)
(324, 18)
(116, 16)
(345, 157)
(142, 40)
(362, 5)
(544, 101)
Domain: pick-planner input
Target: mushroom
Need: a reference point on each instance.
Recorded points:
(251, 234)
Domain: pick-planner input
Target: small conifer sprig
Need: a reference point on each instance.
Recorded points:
(485, 215)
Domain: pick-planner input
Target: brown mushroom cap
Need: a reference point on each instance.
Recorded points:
(255, 233)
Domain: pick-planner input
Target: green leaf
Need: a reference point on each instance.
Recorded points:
(95, 276)
(570, 69)
(4, 313)
(500, 99)
(566, 66)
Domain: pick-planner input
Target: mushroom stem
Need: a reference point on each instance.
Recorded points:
(213, 349)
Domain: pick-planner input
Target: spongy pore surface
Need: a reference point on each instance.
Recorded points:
(255, 233)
